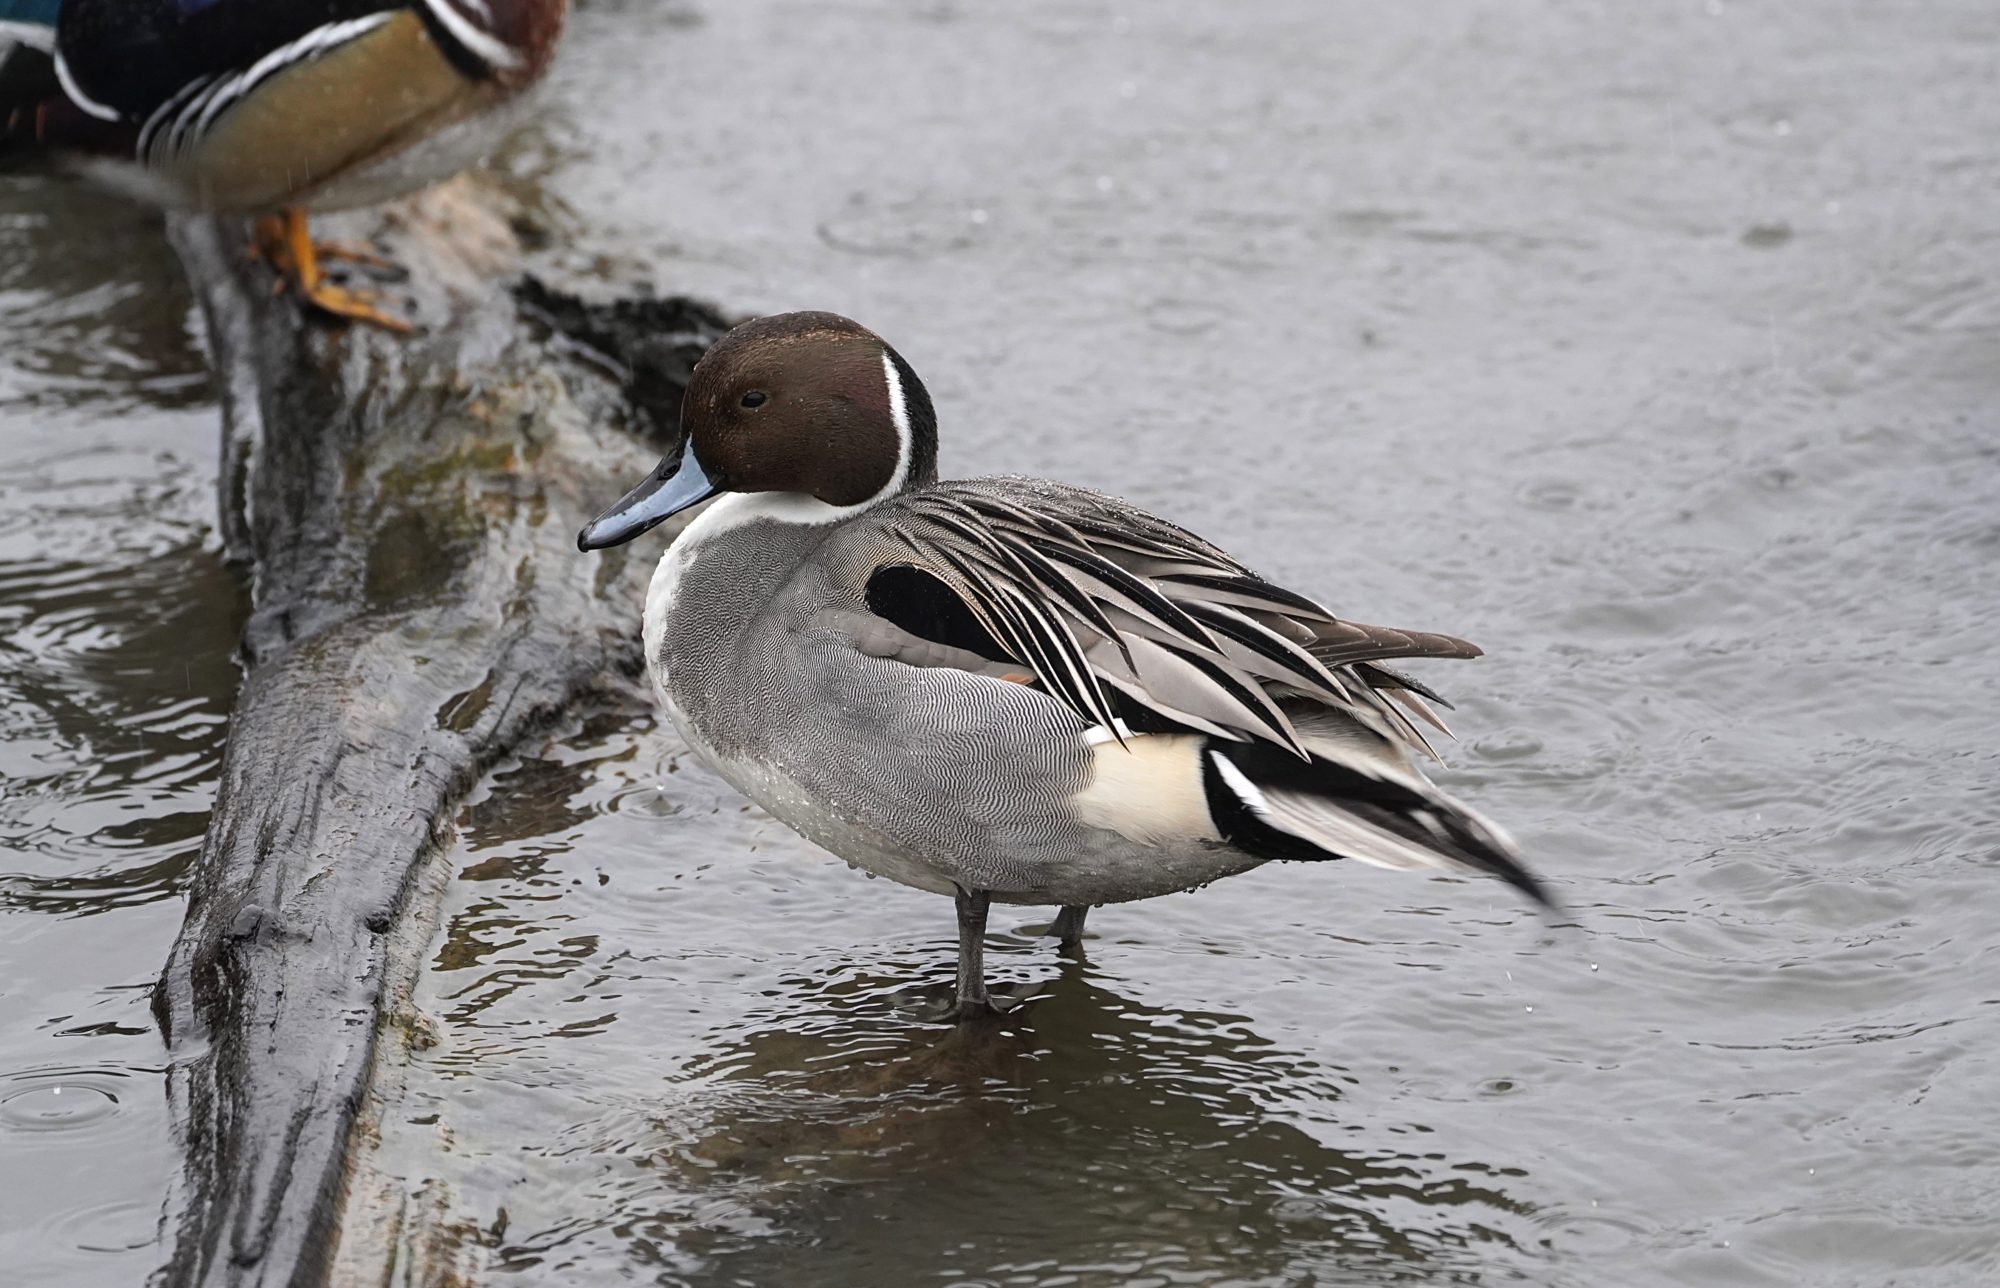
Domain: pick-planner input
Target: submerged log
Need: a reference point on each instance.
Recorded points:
(406, 510)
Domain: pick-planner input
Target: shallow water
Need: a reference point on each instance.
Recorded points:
(116, 625)
(1654, 349)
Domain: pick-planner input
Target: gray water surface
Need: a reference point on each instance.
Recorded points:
(1654, 348)
(117, 622)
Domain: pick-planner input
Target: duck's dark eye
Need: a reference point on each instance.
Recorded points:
(755, 398)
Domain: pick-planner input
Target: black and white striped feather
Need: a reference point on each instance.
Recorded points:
(178, 125)
(1110, 606)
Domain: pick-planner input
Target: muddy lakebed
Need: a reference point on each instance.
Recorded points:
(1655, 352)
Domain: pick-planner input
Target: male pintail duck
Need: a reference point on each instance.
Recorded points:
(271, 107)
(1006, 688)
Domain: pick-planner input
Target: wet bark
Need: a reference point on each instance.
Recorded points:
(406, 510)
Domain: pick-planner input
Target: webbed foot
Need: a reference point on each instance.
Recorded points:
(286, 242)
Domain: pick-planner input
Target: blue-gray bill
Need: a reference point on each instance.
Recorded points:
(675, 484)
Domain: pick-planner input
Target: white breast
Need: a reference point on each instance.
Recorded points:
(722, 515)
(659, 605)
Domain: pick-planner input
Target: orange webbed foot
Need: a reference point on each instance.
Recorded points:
(285, 241)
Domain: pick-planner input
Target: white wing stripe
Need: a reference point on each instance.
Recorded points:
(485, 46)
(163, 118)
(308, 46)
(76, 94)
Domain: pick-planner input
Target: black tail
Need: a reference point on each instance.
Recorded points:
(1352, 801)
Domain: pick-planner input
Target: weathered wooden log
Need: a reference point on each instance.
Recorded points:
(407, 511)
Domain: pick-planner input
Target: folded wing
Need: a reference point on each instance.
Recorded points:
(1144, 628)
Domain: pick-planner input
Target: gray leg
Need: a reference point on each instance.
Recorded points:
(972, 999)
(1069, 925)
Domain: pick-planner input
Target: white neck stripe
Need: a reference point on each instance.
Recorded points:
(798, 508)
(906, 447)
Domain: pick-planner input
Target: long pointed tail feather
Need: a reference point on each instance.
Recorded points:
(1357, 799)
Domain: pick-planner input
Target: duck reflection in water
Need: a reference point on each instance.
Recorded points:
(1087, 1135)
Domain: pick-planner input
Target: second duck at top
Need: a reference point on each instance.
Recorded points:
(272, 108)
(1006, 688)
